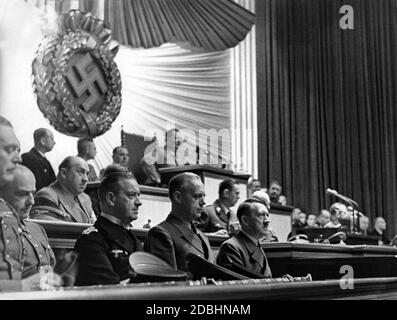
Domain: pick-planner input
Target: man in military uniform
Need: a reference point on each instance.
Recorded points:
(11, 241)
(105, 248)
(65, 199)
(243, 253)
(218, 218)
(36, 161)
(177, 236)
(19, 194)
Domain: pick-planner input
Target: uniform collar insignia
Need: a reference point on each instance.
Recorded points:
(116, 252)
(89, 230)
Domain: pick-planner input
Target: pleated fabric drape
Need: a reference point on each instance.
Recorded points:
(162, 86)
(327, 102)
(206, 24)
(244, 102)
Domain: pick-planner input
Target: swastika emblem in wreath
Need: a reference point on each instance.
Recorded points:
(75, 79)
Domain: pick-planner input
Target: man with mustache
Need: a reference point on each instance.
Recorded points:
(243, 253)
(177, 236)
(65, 199)
(105, 248)
(12, 248)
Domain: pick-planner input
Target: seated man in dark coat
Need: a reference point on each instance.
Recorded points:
(175, 237)
(86, 149)
(380, 231)
(36, 161)
(105, 248)
(242, 253)
(65, 199)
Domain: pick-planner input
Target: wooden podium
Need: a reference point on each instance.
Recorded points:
(211, 177)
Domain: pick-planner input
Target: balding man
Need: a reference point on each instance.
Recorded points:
(9, 152)
(177, 236)
(86, 149)
(36, 161)
(120, 156)
(261, 196)
(12, 248)
(65, 199)
(19, 193)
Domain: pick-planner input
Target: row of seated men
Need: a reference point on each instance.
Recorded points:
(44, 142)
(103, 250)
(340, 216)
(42, 169)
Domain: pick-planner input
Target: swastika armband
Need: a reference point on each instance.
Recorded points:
(75, 79)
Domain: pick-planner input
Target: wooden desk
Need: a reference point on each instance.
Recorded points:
(378, 288)
(324, 261)
(211, 177)
(280, 220)
(63, 235)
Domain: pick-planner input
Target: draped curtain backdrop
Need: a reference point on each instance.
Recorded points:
(327, 102)
(162, 85)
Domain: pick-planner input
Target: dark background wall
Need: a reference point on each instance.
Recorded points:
(327, 102)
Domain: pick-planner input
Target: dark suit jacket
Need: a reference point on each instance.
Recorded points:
(57, 203)
(213, 218)
(240, 252)
(172, 240)
(40, 167)
(104, 252)
(383, 237)
(92, 174)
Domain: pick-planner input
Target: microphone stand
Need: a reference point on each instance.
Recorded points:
(355, 229)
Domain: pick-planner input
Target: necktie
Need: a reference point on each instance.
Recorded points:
(265, 269)
(76, 198)
(202, 242)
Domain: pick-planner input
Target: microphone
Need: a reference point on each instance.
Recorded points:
(335, 193)
(331, 192)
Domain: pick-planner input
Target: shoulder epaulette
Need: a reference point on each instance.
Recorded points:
(5, 209)
(89, 230)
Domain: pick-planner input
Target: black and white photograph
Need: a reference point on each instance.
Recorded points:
(198, 155)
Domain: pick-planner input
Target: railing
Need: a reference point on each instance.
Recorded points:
(378, 288)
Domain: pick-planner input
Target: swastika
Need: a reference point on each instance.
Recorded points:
(86, 79)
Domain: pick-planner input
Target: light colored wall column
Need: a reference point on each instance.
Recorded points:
(244, 101)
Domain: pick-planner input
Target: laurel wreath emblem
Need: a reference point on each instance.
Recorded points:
(79, 33)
